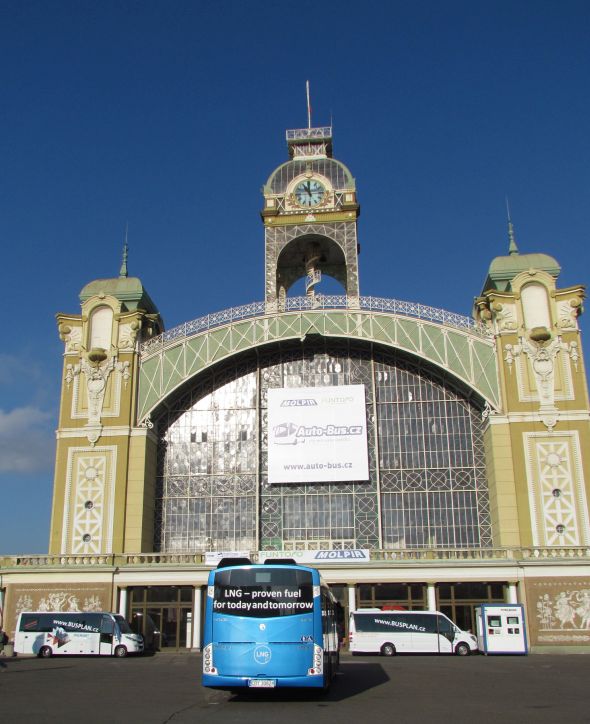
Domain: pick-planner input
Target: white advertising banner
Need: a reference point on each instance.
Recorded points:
(212, 558)
(317, 434)
(353, 555)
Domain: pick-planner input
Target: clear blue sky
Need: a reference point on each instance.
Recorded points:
(171, 115)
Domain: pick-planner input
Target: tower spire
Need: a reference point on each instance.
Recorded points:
(512, 248)
(308, 104)
(123, 270)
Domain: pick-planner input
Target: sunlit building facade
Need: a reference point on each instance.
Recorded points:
(470, 474)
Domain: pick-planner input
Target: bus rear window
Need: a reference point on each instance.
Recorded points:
(262, 593)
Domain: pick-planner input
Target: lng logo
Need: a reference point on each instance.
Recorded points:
(262, 654)
(287, 433)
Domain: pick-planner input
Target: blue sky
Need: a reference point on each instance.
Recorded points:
(169, 116)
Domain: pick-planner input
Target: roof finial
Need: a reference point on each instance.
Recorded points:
(308, 104)
(123, 270)
(512, 248)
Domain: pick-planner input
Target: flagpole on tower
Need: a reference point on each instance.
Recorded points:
(308, 105)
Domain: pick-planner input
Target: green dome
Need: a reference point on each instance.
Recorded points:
(128, 290)
(503, 269)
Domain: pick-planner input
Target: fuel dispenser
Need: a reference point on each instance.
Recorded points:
(501, 628)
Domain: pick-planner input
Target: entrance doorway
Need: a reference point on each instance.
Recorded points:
(459, 600)
(161, 614)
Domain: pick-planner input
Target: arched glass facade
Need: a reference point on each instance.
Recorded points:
(427, 484)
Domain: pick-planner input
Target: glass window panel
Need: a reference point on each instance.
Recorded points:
(214, 437)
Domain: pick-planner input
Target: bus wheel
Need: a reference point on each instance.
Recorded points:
(45, 652)
(388, 650)
(120, 652)
(462, 650)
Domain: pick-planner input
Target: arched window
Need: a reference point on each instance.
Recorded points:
(101, 326)
(427, 486)
(535, 306)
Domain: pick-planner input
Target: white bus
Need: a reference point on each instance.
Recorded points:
(46, 633)
(407, 632)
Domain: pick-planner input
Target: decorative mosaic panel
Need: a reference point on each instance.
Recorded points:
(557, 497)
(88, 512)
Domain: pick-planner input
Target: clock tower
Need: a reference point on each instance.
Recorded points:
(310, 218)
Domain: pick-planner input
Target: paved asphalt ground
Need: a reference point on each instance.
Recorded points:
(165, 688)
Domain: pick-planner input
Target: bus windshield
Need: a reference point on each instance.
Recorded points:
(123, 625)
(262, 593)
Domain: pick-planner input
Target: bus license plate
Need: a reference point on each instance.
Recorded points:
(262, 683)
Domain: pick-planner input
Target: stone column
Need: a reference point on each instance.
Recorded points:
(511, 593)
(123, 601)
(431, 597)
(351, 597)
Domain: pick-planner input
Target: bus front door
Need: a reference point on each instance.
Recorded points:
(446, 635)
(107, 631)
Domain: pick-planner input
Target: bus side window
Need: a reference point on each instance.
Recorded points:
(445, 627)
(107, 625)
(107, 628)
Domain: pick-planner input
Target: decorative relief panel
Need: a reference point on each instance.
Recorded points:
(559, 611)
(128, 335)
(56, 597)
(559, 512)
(72, 337)
(93, 397)
(505, 316)
(89, 506)
(543, 374)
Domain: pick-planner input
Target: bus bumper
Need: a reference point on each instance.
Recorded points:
(280, 682)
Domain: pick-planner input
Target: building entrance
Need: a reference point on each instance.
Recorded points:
(161, 614)
(458, 600)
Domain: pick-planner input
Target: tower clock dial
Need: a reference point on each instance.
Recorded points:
(309, 193)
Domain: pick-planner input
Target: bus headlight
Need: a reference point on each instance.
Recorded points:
(208, 667)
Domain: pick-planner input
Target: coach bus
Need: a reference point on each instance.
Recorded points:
(46, 633)
(269, 625)
(373, 631)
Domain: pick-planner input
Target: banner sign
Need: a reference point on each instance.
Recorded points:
(212, 558)
(354, 555)
(317, 434)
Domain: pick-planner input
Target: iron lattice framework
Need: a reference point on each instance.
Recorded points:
(278, 280)
(427, 484)
(452, 342)
(320, 301)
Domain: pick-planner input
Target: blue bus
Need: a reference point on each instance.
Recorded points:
(269, 625)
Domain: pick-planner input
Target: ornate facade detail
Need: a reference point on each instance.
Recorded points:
(146, 423)
(72, 336)
(568, 312)
(542, 356)
(88, 510)
(556, 491)
(495, 315)
(96, 374)
(505, 316)
(128, 335)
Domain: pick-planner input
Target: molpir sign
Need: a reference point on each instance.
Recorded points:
(317, 434)
(354, 555)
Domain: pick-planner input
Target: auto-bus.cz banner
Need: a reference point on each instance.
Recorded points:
(317, 434)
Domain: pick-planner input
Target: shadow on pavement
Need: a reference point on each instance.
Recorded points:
(351, 679)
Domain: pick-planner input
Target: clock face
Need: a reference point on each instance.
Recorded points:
(309, 193)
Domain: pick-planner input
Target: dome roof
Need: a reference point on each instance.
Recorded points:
(337, 173)
(128, 290)
(503, 269)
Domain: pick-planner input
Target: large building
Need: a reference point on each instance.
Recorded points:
(420, 458)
